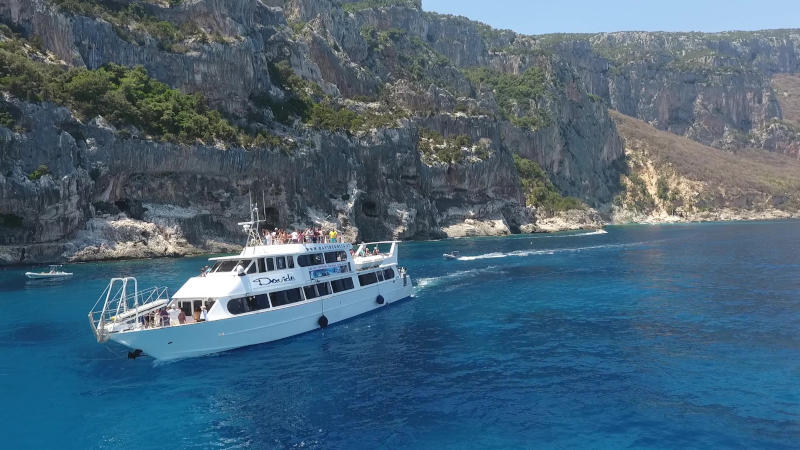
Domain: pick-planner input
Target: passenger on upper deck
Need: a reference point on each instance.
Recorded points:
(332, 235)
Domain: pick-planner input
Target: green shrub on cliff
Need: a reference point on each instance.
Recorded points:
(129, 96)
(306, 101)
(40, 171)
(451, 150)
(517, 95)
(538, 189)
(6, 119)
(122, 95)
(133, 21)
(369, 4)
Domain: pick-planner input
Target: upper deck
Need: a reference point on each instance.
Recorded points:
(257, 251)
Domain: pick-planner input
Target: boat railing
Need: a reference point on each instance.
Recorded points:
(122, 306)
(364, 258)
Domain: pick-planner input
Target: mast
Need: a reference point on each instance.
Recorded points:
(251, 228)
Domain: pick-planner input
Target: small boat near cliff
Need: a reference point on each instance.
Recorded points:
(55, 273)
(265, 293)
(452, 255)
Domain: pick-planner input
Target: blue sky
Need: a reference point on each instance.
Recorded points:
(584, 16)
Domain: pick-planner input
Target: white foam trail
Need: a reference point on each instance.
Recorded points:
(424, 283)
(593, 233)
(485, 256)
(587, 233)
(538, 252)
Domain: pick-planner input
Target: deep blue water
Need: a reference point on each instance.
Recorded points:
(646, 336)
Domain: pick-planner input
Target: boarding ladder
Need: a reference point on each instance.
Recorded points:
(118, 309)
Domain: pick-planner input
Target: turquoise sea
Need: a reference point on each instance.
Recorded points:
(676, 336)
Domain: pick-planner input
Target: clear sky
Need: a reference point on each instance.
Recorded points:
(586, 16)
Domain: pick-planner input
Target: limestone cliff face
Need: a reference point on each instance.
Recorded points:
(713, 88)
(112, 193)
(372, 184)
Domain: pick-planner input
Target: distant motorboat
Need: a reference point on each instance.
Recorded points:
(54, 273)
(451, 255)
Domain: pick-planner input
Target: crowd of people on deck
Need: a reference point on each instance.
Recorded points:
(309, 235)
(172, 316)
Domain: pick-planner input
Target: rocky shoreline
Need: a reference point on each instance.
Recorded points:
(122, 238)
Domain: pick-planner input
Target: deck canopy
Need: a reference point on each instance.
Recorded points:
(222, 285)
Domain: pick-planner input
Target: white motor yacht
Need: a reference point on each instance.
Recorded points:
(55, 273)
(266, 293)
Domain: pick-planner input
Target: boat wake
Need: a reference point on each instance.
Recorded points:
(495, 255)
(424, 283)
(585, 233)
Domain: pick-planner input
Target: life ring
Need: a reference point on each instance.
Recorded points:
(379, 300)
(323, 321)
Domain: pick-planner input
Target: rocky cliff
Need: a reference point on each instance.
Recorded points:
(374, 117)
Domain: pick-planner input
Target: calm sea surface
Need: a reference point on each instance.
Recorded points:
(645, 336)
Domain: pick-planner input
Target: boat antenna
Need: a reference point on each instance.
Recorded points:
(251, 227)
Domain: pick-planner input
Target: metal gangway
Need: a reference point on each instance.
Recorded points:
(118, 309)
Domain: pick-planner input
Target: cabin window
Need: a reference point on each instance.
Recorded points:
(310, 291)
(311, 259)
(247, 304)
(303, 260)
(277, 298)
(294, 295)
(380, 275)
(280, 262)
(388, 273)
(332, 257)
(237, 306)
(270, 264)
(342, 285)
(322, 289)
(262, 267)
(186, 307)
(280, 298)
(290, 262)
(367, 279)
(226, 266)
(252, 268)
(258, 302)
(215, 267)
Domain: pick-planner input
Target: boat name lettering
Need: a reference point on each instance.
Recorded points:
(266, 281)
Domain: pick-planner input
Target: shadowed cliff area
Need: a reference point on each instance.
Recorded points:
(143, 128)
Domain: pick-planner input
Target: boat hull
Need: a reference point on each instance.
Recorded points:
(46, 276)
(204, 338)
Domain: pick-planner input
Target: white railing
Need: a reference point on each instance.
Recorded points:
(121, 309)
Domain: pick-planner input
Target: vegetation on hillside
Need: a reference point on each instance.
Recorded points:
(408, 57)
(40, 171)
(123, 96)
(306, 101)
(517, 95)
(449, 150)
(369, 4)
(539, 191)
(133, 22)
(710, 178)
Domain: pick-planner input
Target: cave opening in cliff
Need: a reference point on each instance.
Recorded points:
(369, 208)
(271, 218)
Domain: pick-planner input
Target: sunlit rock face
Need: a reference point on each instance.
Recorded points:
(374, 182)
